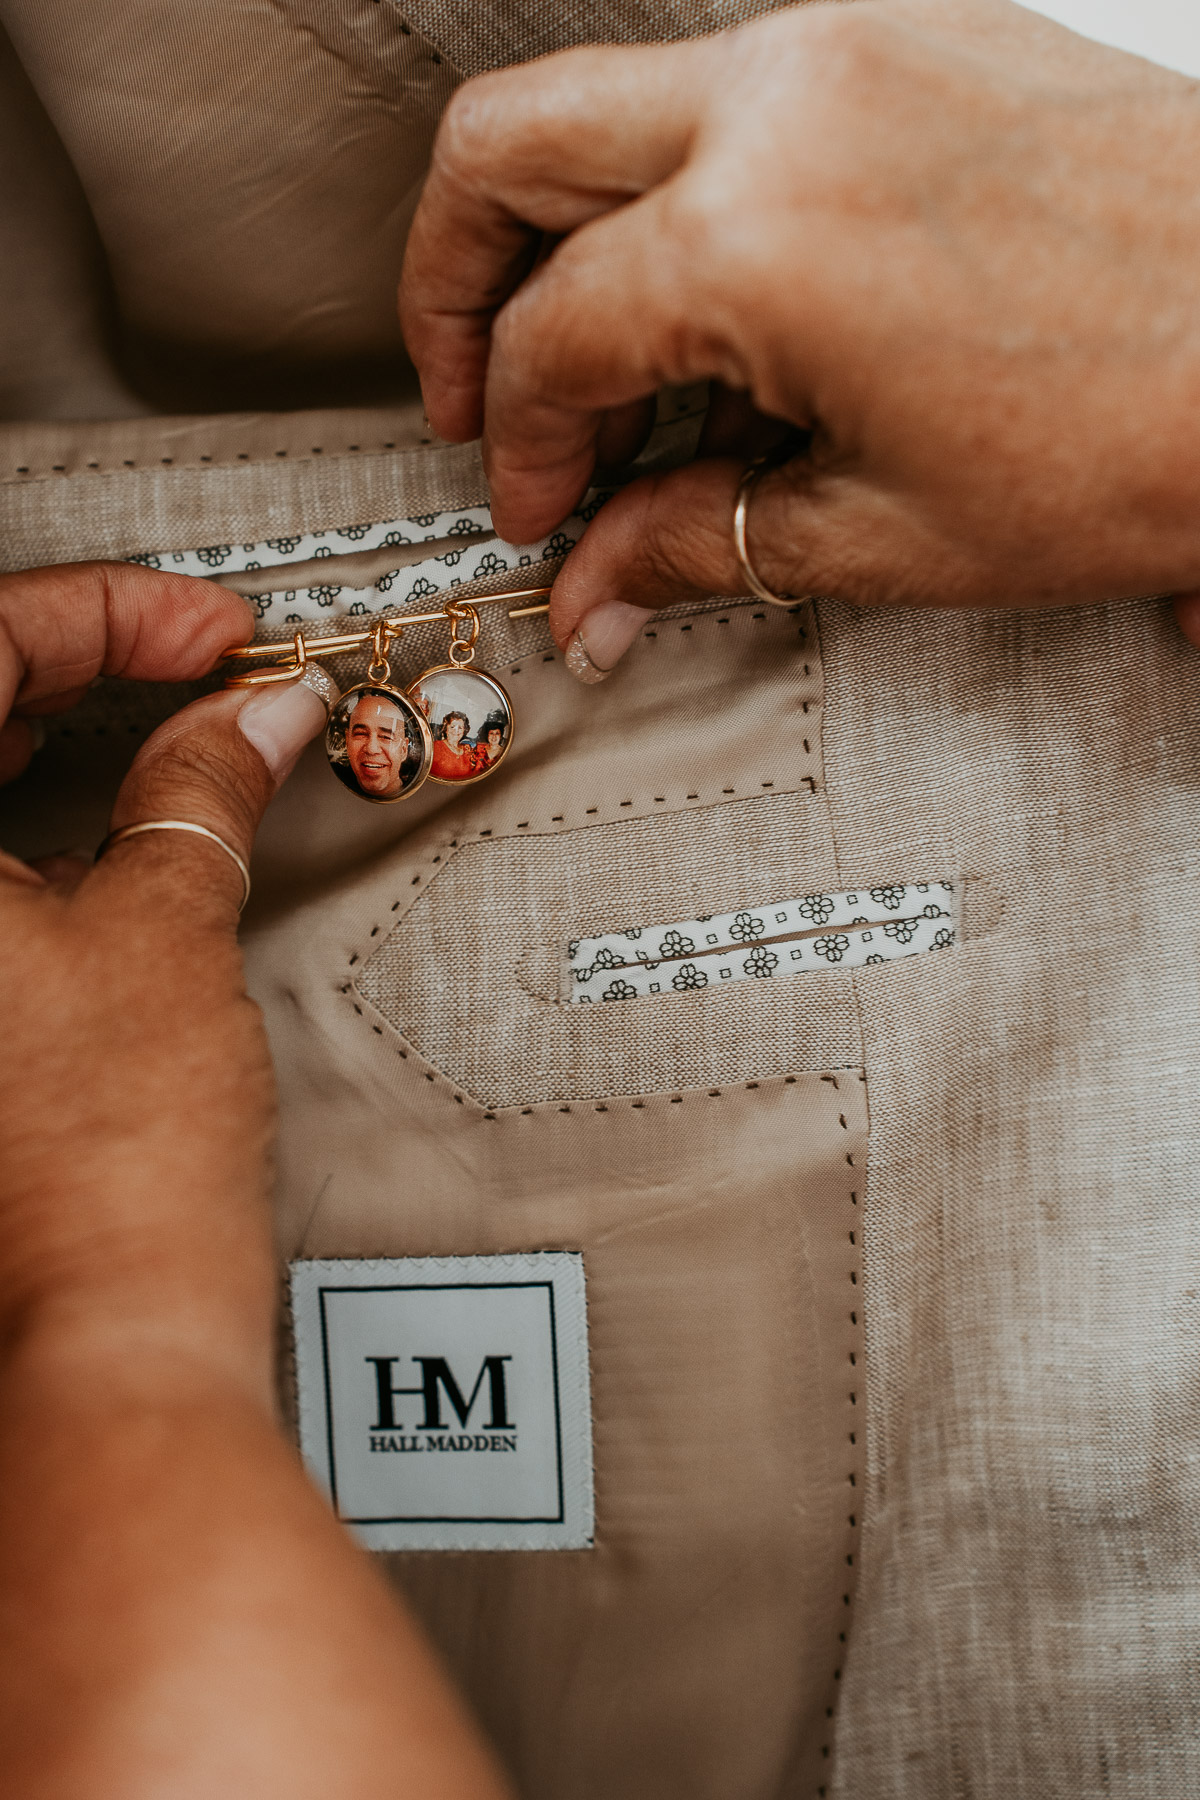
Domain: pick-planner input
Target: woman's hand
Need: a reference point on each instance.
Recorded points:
(136, 1099)
(179, 1612)
(951, 242)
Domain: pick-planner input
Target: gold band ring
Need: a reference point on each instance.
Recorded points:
(127, 831)
(751, 475)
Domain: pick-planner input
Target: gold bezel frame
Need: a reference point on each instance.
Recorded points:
(453, 668)
(406, 701)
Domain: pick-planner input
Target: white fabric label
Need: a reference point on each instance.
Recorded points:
(788, 937)
(445, 1402)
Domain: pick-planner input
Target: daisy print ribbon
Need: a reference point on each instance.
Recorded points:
(474, 553)
(816, 931)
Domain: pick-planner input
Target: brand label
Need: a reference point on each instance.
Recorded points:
(445, 1403)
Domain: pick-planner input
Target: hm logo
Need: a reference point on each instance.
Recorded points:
(438, 1385)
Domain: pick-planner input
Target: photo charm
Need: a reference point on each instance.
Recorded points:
(471, 720)
(378, 743)
(468, 712)
(453, 725)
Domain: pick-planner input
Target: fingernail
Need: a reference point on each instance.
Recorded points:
(323, 685)
(279, 721)
(602, 638)
(37, 731)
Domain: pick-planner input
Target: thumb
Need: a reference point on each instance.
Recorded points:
(216, 764)
(669, 539)
(661, 541)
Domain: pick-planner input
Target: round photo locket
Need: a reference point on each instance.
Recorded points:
(378, 742)
(470, 718)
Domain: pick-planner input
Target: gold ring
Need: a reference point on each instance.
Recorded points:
(127, 831)
(751, 476)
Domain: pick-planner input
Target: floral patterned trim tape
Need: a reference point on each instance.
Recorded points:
(232, 559)
(787, 937)
(476, 554)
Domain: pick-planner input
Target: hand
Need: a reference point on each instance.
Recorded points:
(136, 1083)
(179, 1611)
(951, 242)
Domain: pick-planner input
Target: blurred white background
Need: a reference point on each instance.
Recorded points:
(1168, 31)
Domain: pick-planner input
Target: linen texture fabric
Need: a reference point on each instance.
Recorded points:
(892, 1272)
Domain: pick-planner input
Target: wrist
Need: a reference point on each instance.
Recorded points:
(140, 1267)
(112, 1349)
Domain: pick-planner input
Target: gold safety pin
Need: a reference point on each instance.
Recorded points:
(301, 649)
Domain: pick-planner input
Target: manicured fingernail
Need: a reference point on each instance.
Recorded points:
(279, 721)
(580, 663)
(602, 638)
(323, 685)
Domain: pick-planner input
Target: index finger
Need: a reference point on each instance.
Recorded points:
(539, 149)
(61, 627)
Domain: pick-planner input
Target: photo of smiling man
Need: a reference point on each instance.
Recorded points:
(378, 744)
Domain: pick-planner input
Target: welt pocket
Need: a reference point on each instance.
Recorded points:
(813, 933)
(476, 974)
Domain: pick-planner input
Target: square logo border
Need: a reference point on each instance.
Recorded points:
(562, 1274)
(437, 1287)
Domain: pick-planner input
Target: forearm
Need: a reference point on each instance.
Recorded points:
(179, 1611)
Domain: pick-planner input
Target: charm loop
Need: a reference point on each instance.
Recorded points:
(461, 650)
(379, 669)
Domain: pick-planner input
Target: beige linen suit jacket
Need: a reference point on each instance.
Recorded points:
(892, 1278)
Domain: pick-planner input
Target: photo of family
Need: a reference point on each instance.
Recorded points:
(470, 717)
(378, 743)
